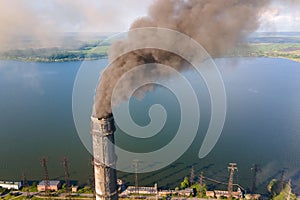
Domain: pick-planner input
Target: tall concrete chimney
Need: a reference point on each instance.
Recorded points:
(104, 158)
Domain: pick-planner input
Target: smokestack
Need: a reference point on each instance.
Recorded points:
(104, 158)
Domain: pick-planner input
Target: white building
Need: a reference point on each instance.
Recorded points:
(10, 185)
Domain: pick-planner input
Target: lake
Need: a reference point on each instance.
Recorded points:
(262, 125)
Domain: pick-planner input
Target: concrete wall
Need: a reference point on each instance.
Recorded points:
(104, 158)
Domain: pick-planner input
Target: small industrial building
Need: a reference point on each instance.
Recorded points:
(74, 188)
(221, 193)
(210, 194)
(140, 190)
(253, 196)
(53, 186)
(10, 185)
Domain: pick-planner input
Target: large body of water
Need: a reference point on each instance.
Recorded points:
(262, 125)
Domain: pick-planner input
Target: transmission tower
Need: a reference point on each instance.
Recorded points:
(136, 165)
(25, 184)
(201, 179)
(91, 179)
(192, 176)
(46, 176)
(290, 190)
(282, 182)
(67, 176)
(255, 169)
(232, 167)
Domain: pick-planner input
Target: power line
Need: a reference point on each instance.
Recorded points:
(223, 183)
(216, 181)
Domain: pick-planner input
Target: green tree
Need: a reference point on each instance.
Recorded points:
(286, 193)
(2, 190)
(201, 189)
(278, 194)
(34, 184)
(33, 187)
(273, 187)
(185, 183)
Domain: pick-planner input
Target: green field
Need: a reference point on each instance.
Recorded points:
(87, 51)
(278, 50)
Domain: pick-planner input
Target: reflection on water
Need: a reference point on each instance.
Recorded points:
(262, 125)
(36, 121)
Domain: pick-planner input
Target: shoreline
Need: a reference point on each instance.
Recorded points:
(105, 57)
(90, 51)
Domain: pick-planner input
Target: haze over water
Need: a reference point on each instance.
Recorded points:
(262, 125)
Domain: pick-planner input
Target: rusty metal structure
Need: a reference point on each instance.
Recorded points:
(46, 175)
(25, 185)
(232, 167)
(255, 169)
(192, 176)
(201, 179)
(136, 179)
(67, 176)
(102, 130)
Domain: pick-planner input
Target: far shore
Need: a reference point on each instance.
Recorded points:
(290, 51)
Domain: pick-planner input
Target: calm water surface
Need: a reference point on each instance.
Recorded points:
(262, 125)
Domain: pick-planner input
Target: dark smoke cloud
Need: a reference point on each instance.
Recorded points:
(217, 25)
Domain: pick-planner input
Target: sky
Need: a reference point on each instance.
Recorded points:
(113, 15)
(281, 16)
(40, 19)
